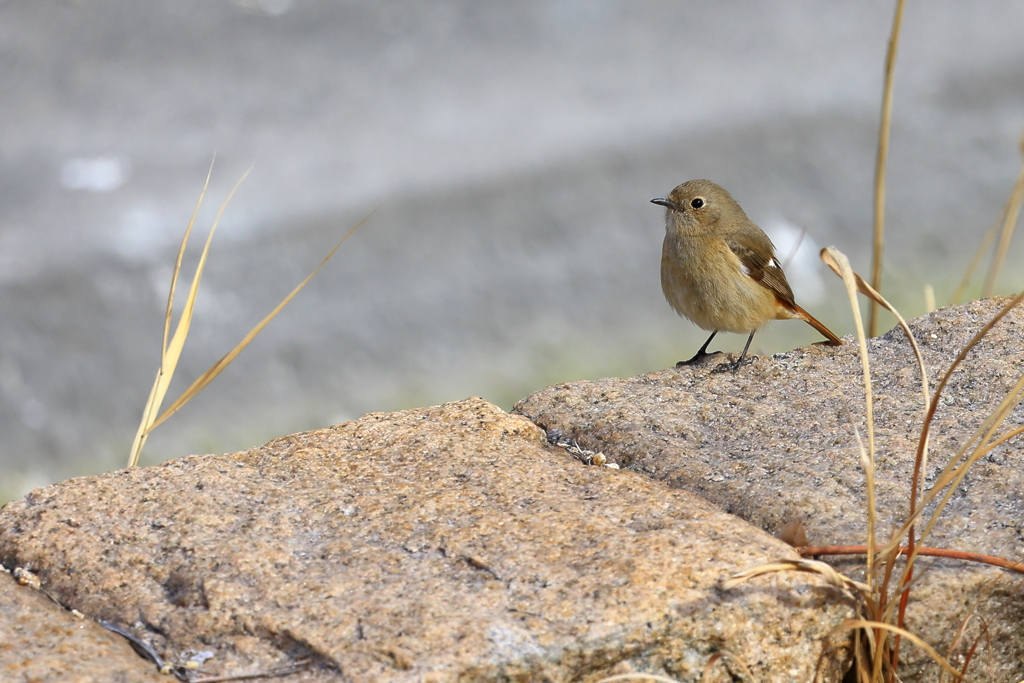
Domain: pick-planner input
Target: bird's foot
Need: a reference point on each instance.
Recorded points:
(697, 358)
(734, 366)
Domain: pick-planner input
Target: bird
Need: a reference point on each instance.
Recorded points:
(719, 269)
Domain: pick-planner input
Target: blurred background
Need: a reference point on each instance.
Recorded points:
(512, 148)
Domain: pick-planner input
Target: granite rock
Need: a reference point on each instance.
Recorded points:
(41, 641)
(450, 543)
(775, 444)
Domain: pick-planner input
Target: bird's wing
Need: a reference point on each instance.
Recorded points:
(759, 259)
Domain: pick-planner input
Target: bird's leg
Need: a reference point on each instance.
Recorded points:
(743, 357)
(700, 355)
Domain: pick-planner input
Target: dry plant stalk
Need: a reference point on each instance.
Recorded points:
(172, 350)
(638, 677)
(1008, 219)
(880, 165)
(929, 298)
(961, 632)
(851, 624)
(722, 656)
(822, 569)
(706, 676)
(882, 600)
(1010, 215)
(818, 551)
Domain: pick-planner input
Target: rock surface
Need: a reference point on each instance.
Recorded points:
(39, 641)
(438, 544)
(775, 443)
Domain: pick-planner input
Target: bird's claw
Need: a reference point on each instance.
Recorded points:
(697, 358)
(734, 366)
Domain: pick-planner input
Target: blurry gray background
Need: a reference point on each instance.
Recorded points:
(514, 148)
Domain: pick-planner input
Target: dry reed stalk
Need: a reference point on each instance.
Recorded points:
(880, 165)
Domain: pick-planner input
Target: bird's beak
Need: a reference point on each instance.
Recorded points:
(669, 204)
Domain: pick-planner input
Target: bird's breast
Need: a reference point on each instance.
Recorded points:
(704, 281)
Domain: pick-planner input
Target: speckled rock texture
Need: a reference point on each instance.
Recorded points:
(441, 544)
(40, 641)
(775, 443)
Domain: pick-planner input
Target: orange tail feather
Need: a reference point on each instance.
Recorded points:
(819, 326)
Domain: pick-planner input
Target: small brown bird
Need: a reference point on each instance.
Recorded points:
(719, 269)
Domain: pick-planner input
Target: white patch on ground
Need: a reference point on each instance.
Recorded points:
(97, 174)
(274, 8)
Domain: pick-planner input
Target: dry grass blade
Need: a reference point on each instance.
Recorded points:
(1016, 196)
(171, 350)
(219, 366)
(1005, 437)
(947, 482)
(929, 298)
(272, 672)
(951, 471)
(973, 649)
(881, 161)
(826, 571)
(859, 671)
(828, 256)
(841, 265)
(709, 667)
(953, 476)
(1010, 215)
(796, 248)
(639, 677)
(992, 422)
(819, 550)
(868, 625)
(720, 656)
(960, 633)
(181, 254)
(986, 242)
(837, 261)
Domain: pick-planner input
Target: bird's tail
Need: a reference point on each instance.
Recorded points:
(818, 325)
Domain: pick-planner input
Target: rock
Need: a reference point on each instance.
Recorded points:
(441, 544)
(39, 641)
(775, 443)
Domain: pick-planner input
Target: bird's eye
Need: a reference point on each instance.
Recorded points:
(697, 202)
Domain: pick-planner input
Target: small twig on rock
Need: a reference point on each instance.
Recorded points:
(812, 551)
(283, 670)
(573, 448)
(144, 649)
